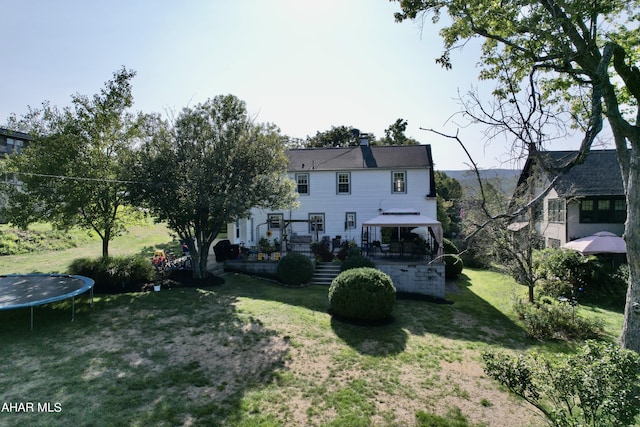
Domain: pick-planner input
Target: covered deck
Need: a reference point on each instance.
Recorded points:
(402, 235)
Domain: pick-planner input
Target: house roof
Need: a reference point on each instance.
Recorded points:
(599, 175)
(360, 157)
(15, 134)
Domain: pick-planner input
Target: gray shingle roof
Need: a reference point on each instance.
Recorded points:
(599, 175)
(361, 157)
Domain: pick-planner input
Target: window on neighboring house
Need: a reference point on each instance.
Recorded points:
(553, 243)
(302, 179)
(316, 223)
(274, 221)
(399, 182)
(555, 210)
(607, 210)
(619, 211)
(350, 220)
(344, 182)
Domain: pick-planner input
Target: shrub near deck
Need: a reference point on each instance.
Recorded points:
(363, 294)
(295, 269)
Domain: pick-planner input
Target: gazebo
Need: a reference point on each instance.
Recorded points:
(407, 218)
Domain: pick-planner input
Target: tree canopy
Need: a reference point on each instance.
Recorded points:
(449, 202)
(74, 173)
(209, 168)
(575, 56)
(394, 134)
(336, 137)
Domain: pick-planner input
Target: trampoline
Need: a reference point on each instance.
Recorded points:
(30, 290)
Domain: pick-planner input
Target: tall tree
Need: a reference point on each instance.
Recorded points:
(210, 168)
(449, 194)
(394, 134)
(572, 48)
(337, 136)
(73, 174)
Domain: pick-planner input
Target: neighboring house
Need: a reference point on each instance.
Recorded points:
(341, 188)
(587, 199)
(13, 142)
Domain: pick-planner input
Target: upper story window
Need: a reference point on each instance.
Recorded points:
(302, 181)
(11, 145)
(344, 182)
(399, 184)
(603, 210)
(555, 210)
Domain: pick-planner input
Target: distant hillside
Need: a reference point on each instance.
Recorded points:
(505, 179)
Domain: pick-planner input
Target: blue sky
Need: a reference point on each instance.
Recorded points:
(303, 65)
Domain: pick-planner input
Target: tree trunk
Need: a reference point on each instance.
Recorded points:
(630, 338)
(199, 258)
(105, 247)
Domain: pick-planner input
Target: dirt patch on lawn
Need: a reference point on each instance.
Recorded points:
(223, 354)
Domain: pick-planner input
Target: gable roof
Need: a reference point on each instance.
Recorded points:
(599, 175)
(15, 134)
(360, 157)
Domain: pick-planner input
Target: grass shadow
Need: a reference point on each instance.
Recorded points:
(382, 338)
(470, 318)
(139, 359)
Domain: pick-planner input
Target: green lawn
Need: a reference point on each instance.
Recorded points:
(139, 239)
(252, 353)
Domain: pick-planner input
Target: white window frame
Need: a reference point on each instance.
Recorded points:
(339, 182)
(298, 177)
(320, 224)
(395, 181)
(274, 221)
(350, 220)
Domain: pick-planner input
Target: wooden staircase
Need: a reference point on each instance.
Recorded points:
(324, 273)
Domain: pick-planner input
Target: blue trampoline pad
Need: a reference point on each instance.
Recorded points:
(30, 290)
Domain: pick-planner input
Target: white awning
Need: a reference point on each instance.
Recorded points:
(407, 218)
(401, 220)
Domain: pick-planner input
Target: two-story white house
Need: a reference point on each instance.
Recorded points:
(341, 188)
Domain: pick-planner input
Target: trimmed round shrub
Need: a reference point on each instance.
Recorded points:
(294, 269)
(362, 294)
(356, 261)
(453, 266)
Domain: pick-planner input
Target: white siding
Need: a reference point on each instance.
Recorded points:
(371, 192)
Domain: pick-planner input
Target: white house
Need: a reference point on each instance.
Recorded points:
(339, 189)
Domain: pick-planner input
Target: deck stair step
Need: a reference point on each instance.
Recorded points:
(324, 273)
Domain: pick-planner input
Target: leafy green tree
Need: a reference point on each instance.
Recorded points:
(583, 56)
(449, 197)
(74, 173)
(336, 137)
(598, 386)
(394, 134)
(210, 168)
